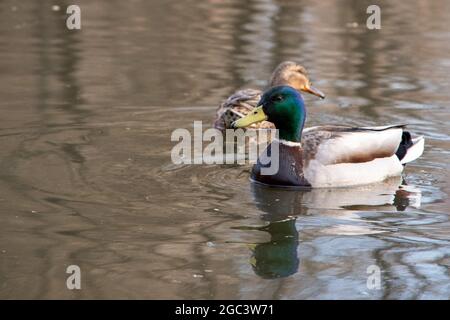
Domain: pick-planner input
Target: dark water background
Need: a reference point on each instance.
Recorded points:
(85, 170)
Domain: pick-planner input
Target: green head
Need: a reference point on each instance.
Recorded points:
(284, 107)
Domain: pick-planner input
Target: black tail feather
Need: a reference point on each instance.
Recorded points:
(405, 144)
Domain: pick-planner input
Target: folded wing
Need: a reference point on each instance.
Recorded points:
(341, 144)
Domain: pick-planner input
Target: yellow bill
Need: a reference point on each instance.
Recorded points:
(257, 115)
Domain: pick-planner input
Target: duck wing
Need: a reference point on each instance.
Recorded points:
(331, 145)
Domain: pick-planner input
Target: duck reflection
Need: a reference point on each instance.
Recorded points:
(278, 257)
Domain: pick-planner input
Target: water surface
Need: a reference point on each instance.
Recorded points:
(85, 171)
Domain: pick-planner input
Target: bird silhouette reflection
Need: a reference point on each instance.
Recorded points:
(281, 208)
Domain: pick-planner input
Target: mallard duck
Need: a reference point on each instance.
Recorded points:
(326, 156)
(244, 101)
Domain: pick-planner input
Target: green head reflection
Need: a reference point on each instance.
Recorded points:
(278, 257)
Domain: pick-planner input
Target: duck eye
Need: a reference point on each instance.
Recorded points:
(277, 98)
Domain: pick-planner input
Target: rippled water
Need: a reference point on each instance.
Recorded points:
(86, 177)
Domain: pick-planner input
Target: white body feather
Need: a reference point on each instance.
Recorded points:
(352, 174)
(352, 143)
(334, 163)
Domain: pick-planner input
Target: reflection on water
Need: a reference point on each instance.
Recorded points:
(85, 170)
(278, 257)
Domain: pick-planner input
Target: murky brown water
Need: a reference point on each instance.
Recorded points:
(85, 170)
